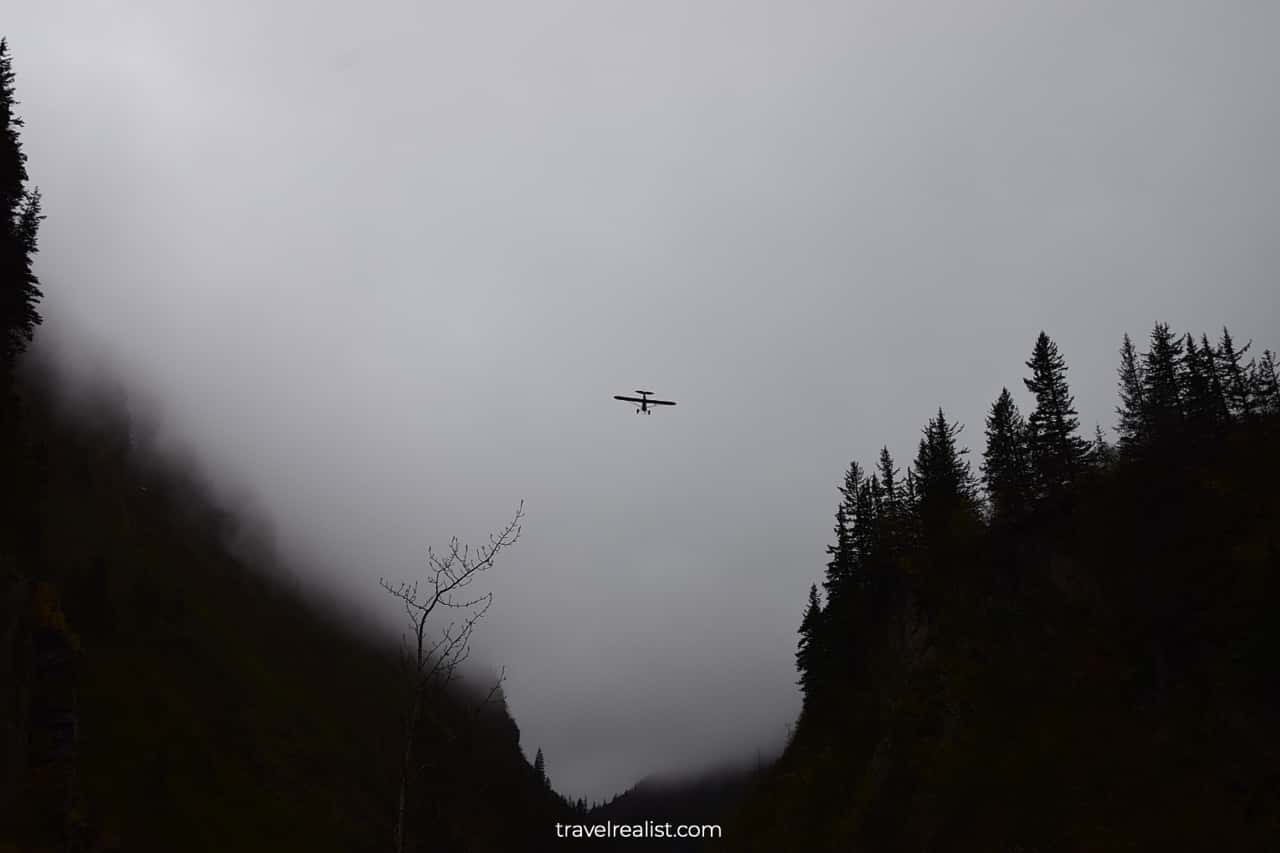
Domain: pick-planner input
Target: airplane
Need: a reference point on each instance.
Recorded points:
(644, 401)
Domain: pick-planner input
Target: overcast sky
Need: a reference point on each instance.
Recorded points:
(385, 263)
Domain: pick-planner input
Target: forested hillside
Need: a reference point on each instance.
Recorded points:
(203, 703)
(164, 684)
(1074, 651)
(1067, 644)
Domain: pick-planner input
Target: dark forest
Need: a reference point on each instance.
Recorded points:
(1051, 643)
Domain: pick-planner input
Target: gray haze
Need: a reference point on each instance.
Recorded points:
(386, 262)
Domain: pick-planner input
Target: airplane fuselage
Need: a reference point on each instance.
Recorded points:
(643, 402)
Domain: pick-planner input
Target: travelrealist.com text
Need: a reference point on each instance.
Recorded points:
(648, 829)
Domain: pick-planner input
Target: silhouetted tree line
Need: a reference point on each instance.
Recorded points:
(1046, 651)
(1177, 394)
(20, 219)
(20, 211)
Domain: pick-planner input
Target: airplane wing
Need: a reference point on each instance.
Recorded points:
(661, 402)
(630, 399)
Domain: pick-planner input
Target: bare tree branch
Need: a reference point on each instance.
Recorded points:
(431, 662)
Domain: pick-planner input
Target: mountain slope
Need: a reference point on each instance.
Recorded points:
(1097, 677)
(217, 709)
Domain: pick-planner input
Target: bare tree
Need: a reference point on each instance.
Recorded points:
(431, 660)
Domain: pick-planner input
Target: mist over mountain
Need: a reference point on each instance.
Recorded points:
(294, 297)
(385, 267)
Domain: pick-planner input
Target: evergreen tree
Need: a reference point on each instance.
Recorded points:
(943, 478)
(890, 502)
(1006, 470)
(1203, 405)
(910, 494)
(1057, 453)
(810, 651)
(1266, 384)
(1235, 375)
(874, 527)
(888, 482)
(844, 553)
(1218, 389)
(866, 524)
(1104, 455)
(951, 610)
(540, 768)
(909, 533)
(840, 566)
(20, 210)
(1162, 368)
(1132, 410)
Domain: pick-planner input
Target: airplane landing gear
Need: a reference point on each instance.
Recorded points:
(643, 402)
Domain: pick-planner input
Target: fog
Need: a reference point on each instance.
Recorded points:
(384, 264)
